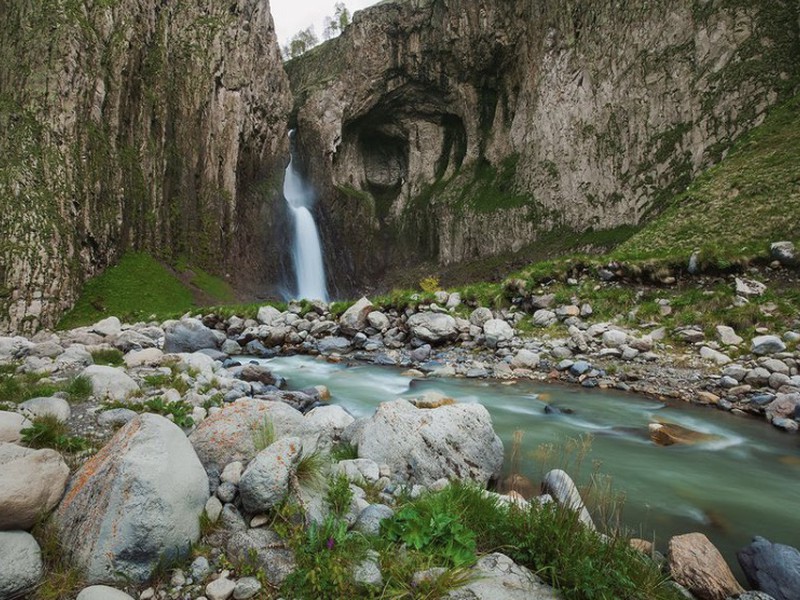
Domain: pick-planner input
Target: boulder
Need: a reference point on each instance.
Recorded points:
(74, 358)
(11, 426)
(378, 320)
(136, 503)
(150, 357)
(668, 434)
(230, 434)
(728, 336)
(258, 373)
(563, 490)
(480, 316)
(31, 484)
(220, 589)
(785, 253)
(525, 359)
(772, 568)
(434, 328)
(613, 338)
(21, 565)
(262, 549)
(131, 340)
(268, 315)
(334, 345)
(715, 356)
(497, 332)
(188, 335)
(265, 481)
(544, 317)
(110, 382)
(497, 577)
(355, 318)
(749, 288)
(698, 566)
(107, 327)
(423, 446)
(102, 592)
(370, 519)
(767, 344)
(46, 407)
(784, 406)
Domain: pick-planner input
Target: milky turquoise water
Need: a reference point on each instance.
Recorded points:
(744, 483)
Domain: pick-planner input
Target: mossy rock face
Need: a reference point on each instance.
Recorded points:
(526, 118)
(124, 133)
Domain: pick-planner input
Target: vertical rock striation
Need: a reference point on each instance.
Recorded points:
(145, 125)
(458, 129)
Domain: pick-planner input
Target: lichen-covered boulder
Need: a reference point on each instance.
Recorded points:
(21, 565)
(31, 484)
(265, 482)
(231, 434)
(434, 328)
(422, 446)
(135, 503)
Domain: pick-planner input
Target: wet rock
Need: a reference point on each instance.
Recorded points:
(668, 434)
(697, 565)
(136, 502)
(31, 484)
(21, 565)
(257, 373)
(422, 446)
(784, 406)
(563, 490)
(772, 568)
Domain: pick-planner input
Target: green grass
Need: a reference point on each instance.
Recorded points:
(17, 388)
(48, 432)
(738, 207)
(110, 357)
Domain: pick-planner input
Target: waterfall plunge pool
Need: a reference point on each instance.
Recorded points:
(744, 483)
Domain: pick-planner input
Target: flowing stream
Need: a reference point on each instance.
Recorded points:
(746, 482)
(309, 267)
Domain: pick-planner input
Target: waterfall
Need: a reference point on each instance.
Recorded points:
(309, 268)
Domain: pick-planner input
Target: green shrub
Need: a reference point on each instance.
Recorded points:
(79, 389)
(263, 434)
(339, 495)
(48, 432)
(110, 357)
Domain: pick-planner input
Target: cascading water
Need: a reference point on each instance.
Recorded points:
(309, 267)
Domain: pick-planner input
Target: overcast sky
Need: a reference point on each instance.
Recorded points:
(293, 15)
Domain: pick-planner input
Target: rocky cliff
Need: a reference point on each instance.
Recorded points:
(135, 124)
(458, 129)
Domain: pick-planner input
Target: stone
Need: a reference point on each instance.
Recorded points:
(749, 288)
(370, 519)
(434, 328)
(133, 340)
(563, 490)
(497, 577)
(229, 435)
(265, 482)
(422, 446)
(525, 359)
(135, 503)
(613, 338)
(544, 317)
(47, 407)
(150, 357)
(107, 327)
(783, 406)
(359, 470)
(378, 320)
(268, 315)
(698, 566)
(497, 332)
(246, 588)
(110, 383)
(354, 319)
(232, 473)
(116, 417)
(200, 569)
(226, 492)
(334, 345)
(187, 336)
(11, 426)
(262, 549)
(220, 589)
(772, 568)
(767, 344)
(102, 592)
(368, 571)
(31, 484)
(786, 254)
(213, 508)
(479, 316)
(757, 377)
(432, 399)
(752, 596)
(327, 423)
(669, 434)
(728, 336)
(21, 565)
(257, 373)
(715, 356)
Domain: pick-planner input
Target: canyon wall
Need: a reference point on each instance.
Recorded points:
(136, 125)
(451, 130)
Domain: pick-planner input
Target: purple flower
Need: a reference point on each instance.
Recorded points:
(331, 543)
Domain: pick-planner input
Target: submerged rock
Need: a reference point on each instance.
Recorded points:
(668, 434)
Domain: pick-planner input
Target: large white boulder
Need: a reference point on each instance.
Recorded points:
(31, 484)
(134, 504)
(497, 577)
(47, 407)
(265, 482)
(21, 565)
(434, 328)
(497, 332)
(356, 317)
(188, 335)
(423, 445)
(11, 426)
(110, 383)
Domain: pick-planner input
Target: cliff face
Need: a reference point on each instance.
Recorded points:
(135, 124)
(458, 129)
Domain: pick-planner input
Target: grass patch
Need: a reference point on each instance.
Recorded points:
(110, 357)
(61, 579)
(263, 434)
(17, 388)
(48, 432)
(339, 495)
(180, 411)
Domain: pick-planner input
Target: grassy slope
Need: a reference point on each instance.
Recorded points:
(737, 208)
(140, 286)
